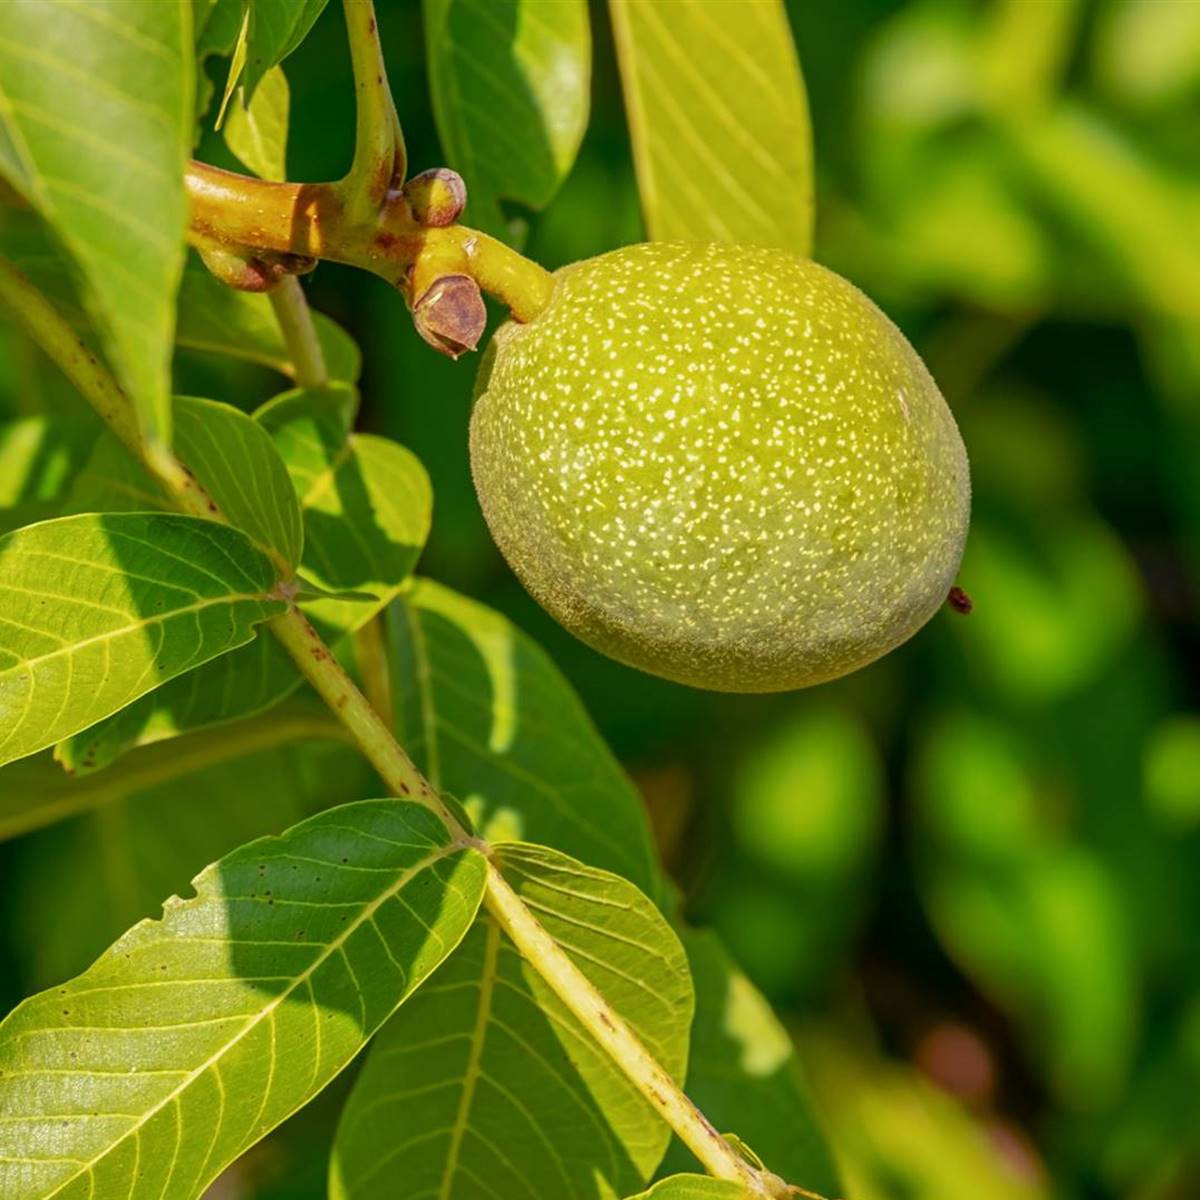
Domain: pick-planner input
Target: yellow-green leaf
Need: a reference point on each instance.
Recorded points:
(96, 100)
(486, 1075)
(257, 131)
(510, 94)
(193, 1036)
(719, 121)
(96, 610)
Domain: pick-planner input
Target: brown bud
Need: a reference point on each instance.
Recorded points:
(246, 273)
(436, 197)
(450, 314)
(960, 601)
(250, 272)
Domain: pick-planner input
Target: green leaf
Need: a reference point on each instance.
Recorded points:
(489, 719)
(367, 501)
(217, 24)
(95, 611)
(366, 508)
(220, 320)
(234, 460)
(111, 866)
(744, 1076)
(488, 1077)
(36, 792)
(510, 95)
(276, 28)
(719, 122)
(693, 1187)
(38, 457)
(212, 317)
(257, 132)
(97, 100)
(194, 1035)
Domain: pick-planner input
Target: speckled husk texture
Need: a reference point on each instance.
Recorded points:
(720, 464)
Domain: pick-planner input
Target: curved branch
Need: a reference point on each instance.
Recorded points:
(314, 220)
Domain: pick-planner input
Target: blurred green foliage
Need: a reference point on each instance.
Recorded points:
(968, 876)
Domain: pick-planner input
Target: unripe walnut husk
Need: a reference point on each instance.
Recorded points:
(720, 464)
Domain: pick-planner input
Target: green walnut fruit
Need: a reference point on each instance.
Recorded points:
(720, 464)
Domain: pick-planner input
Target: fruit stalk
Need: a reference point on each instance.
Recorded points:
(318, 665)
(299, 333)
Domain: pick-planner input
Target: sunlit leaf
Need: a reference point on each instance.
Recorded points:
(235, 461)
(488, 1076)
(194, 1035)
(95, 611)
(719, 122)
(510, 86)
(257, 132)
(112, 865)
(490, 719)
(693, 1187)
(212, 317)
(366, 500)
(366, 505)
(744, 1076)
(97, 102)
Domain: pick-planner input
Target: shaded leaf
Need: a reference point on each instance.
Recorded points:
(220, 320)
(36, 791)
(719, 122)
(489, 719)
(275, 29)
(79, 886)
(212, 317)
(510, 82)
(488, 1077)
(97, 102)
(744, 1076)
(194, 1035)
(366, 509)
(257, 132)
(217, 24)
(95, 611)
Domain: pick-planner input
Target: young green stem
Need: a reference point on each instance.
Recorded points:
(299, 332)
(367, 728)
(379, 154)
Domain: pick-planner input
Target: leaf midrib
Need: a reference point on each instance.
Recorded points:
(70, 648)
(487, 983)
(215, 1058)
